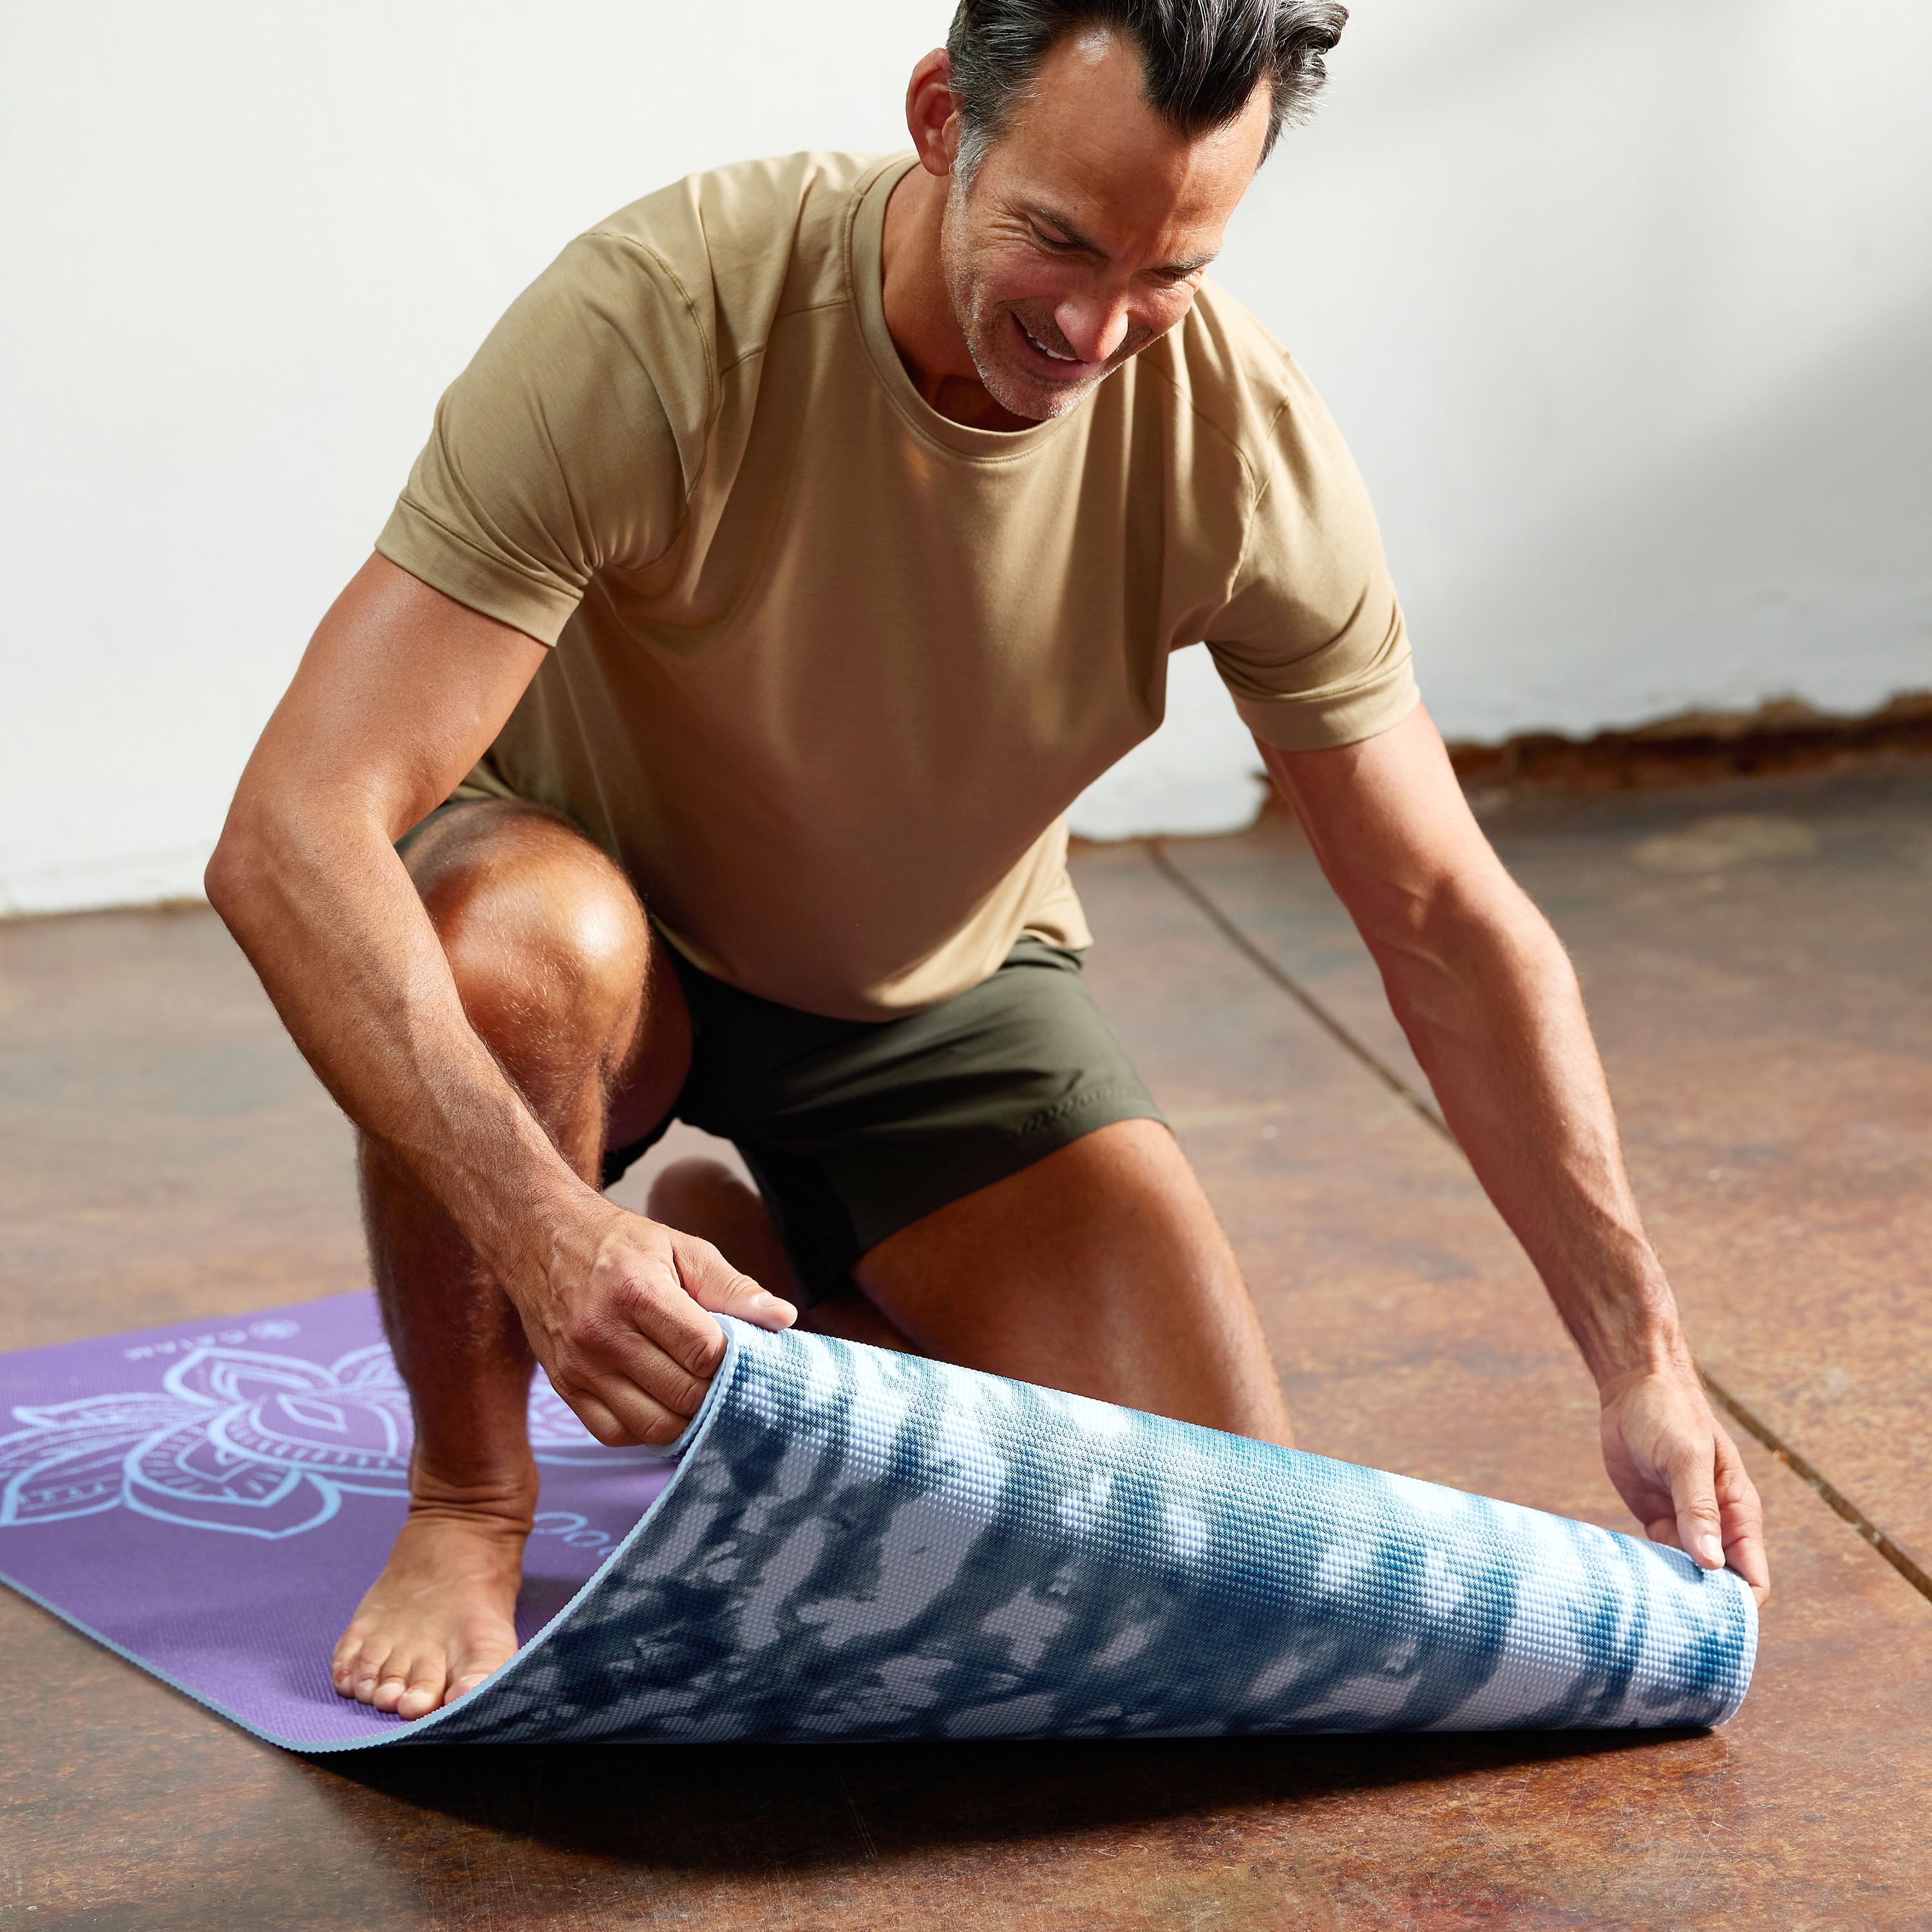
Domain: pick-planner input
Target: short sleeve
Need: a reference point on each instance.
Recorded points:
(1311, 643)
(553, 455)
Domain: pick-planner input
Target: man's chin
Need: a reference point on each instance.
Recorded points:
(1021, 394)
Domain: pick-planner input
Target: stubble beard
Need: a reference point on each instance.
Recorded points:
(983, 321)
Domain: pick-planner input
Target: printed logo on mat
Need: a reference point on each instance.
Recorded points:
(235, 1439)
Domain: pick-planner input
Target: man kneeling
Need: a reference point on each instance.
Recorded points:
(696, 746)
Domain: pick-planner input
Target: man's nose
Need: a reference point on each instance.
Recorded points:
(1095, 324)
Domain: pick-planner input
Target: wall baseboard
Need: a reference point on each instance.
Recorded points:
(144, 879)
(1785, 736)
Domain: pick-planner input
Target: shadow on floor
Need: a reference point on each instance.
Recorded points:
(728, 1809)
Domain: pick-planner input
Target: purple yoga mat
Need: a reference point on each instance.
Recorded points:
(213, 1499)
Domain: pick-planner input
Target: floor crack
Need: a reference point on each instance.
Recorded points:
(1296, 991)
(1828, 1491)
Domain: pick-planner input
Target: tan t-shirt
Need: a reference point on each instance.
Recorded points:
(829, 668)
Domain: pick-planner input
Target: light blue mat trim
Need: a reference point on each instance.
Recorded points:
(869, 1546)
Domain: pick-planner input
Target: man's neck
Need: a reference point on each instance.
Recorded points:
(919, 311)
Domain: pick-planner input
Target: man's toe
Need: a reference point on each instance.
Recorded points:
(367, 1673)
(482, 1652)
(468, 1681)
(424, 1691)
(344, 1665)
(391, 1684)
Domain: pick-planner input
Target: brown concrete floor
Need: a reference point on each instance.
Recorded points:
(1758, 961)
(1762, 995)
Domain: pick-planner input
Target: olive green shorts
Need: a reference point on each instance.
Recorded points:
(854, 1129)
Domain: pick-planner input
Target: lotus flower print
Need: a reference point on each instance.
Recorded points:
(241, 1440)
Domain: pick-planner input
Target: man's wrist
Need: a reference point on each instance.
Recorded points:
(529, 1223)
(1631, 1331)
(1664, 1357)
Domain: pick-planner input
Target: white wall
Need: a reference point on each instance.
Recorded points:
(1620, 302)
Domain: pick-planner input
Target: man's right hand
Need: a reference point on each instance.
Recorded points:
(619, 1315)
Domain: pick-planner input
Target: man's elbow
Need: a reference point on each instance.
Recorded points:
(1504, 938)
(226, 877)
(1471, 926)
(240, 866)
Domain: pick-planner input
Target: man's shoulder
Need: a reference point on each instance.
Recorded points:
(1230, 374)
(745, 243)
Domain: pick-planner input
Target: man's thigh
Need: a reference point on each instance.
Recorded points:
(1101, 1268)
(854, 1130)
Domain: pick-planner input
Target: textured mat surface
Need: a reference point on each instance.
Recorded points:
(846, 1543)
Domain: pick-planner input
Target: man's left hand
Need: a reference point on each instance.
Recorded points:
(1680, 1472)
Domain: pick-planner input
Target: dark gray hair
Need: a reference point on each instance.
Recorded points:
(1201, 59)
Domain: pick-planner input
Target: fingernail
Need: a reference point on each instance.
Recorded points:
(1710, 1552)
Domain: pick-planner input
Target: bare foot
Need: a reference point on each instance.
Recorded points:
(440, 1617)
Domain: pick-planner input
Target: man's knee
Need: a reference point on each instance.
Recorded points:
(548, 943)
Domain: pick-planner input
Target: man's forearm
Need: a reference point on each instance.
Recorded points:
(1491, 1006)
(401, 690)
(315, 895)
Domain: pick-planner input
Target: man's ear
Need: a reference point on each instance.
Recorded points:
(932, 113)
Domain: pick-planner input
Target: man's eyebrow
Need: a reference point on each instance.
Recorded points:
(1192, 266)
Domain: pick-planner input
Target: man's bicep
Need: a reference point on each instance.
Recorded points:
(400, 692)
(1388, 820)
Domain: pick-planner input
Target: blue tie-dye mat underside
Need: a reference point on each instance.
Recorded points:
(846, 1543)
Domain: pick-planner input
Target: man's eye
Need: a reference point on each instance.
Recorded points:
(1053, 242)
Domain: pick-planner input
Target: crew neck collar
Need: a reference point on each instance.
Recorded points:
(866, 263)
